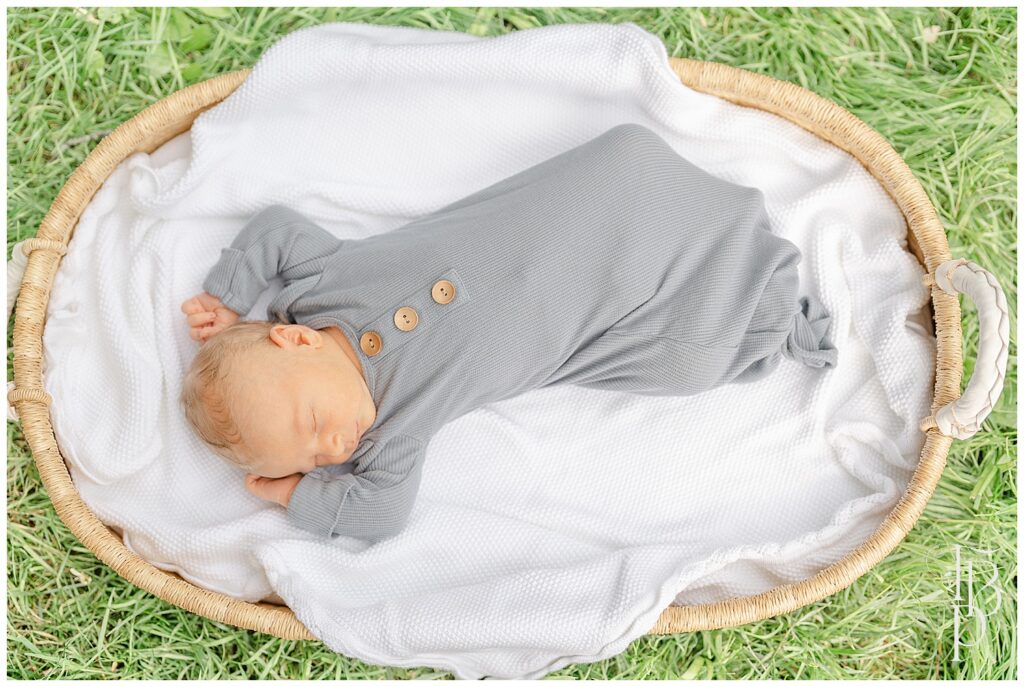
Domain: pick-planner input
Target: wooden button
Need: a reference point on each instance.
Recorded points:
(443, 292)
(370, 343)
(406, 318)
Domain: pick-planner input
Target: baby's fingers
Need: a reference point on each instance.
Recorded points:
(253, 484)
(201, 334)
(261, 486)
(197, 319)
(192, 305)
(206, 332)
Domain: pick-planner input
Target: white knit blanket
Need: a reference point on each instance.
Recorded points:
(536, 541)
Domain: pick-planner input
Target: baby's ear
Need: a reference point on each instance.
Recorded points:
(283, 334)
(294, 335)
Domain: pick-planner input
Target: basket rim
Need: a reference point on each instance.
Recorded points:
(173, 114)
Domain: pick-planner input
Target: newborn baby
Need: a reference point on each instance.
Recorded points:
(614, 265)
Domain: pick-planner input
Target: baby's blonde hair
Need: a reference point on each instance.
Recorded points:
(209, 384)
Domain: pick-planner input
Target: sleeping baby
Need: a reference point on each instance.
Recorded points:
(614, 265)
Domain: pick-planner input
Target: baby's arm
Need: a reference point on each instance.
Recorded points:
(371, 503)
(275, 241)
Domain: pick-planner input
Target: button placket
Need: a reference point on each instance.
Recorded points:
(412, 314)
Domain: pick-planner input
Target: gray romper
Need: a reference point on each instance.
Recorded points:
(614, 265)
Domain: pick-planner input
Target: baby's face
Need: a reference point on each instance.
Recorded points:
(301, 403)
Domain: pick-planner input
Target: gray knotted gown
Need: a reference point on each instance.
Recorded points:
(615, 265)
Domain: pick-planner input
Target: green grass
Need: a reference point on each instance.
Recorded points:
(948, 106)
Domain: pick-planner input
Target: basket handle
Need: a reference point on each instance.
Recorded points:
(962, 418)
(15, 275)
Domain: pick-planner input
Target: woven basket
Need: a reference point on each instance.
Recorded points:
(174, 114)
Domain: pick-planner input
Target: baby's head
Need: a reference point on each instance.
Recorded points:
(277, 398)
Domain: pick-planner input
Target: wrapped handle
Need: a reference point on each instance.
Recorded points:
(962, 418)
(15, 275)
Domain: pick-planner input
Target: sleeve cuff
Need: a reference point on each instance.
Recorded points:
(219, 281)
(315, 503)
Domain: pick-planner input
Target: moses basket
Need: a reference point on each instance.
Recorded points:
(953, 416)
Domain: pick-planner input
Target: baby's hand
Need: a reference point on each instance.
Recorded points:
(279, 490)
(207, 316)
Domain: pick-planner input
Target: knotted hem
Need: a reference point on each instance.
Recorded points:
(807, 342)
